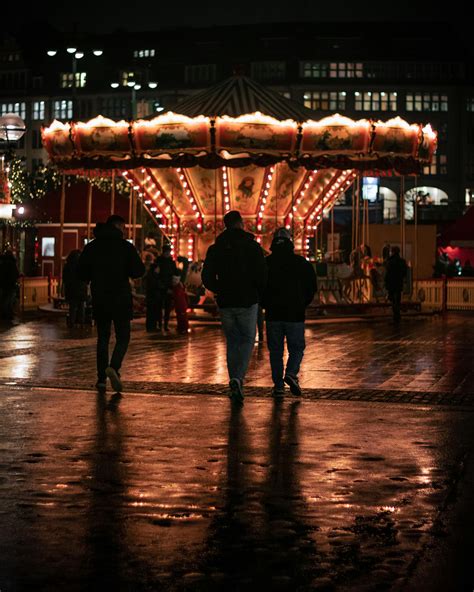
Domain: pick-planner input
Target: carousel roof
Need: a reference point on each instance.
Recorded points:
(238, 96)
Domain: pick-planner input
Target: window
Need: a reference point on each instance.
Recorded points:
(438, 166)
(286, 94)
(62, 109)
(17, 108)
(67, 80)
(313, 70)
(325, 100)
(144, 53)
(200, 73)
(38, 110)
(116, 108)
(36, 142)
(470, 104)
(345, 70)
(375, 101)
(426, 102)
(47, 246)
(268, 70)
(126, 77)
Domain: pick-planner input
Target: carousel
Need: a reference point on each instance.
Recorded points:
(239, 145)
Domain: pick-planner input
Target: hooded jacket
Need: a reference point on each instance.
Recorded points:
(234, 269)
(107, 263)
(291, 283)
(395, 272)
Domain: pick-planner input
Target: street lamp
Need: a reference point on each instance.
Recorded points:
(134, 87)
(76, 55)
(12, 129)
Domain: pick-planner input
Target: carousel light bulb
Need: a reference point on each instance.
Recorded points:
(265, 192)
(268, 186)
(195, 207)
(197, 214)
(148, 201)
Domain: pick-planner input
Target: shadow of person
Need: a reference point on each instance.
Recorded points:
(292, 558)
(105, 552)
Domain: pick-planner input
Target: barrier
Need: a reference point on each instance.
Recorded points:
(460, 294)
(431, 293)
(37, 291)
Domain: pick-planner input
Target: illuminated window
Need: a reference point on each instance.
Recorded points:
(314, 70)
(325, 100)
(62, 109)
(470, 104)
(126, 77)
(438, 166)
(67, 79)
(144, 53)
(375, 101)
(200, 73)
(17, 108)
(38, 110)
(268, 70)
(346, 70)
(47, 246)
(426, 102)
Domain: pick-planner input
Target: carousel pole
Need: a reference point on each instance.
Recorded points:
(130, 201)
(402, 215)
(112, 194)
(332, 234)
(416, 232)
(134, 216)
(215, 204)
(62, 208)
(292, 211)
(89, 211)
(357, 231)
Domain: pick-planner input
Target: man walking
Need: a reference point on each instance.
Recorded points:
(395, 272)
(167, 269)
(291, 286)
(234, 269)
(107, 263)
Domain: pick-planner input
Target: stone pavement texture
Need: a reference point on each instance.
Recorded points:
(366, 483)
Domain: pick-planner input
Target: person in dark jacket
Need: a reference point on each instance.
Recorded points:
(152, 297)
(167, 269)
(291, 286)
(395, 273)
(234, 270)
(8, 284)
(107, 263)
(75, 290)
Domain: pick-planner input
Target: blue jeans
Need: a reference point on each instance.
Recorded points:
(276, 333)
(239, 326)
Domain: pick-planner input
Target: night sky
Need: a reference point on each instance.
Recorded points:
(105, 16)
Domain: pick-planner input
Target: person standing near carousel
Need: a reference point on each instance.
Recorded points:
(234, 270)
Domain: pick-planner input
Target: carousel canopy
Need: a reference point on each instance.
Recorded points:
(240, 146)
(238, 96)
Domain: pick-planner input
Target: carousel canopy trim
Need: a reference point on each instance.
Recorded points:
(172, 140)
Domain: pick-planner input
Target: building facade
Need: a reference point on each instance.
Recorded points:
(376, 70)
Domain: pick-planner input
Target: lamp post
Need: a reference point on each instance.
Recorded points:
(12, 129)
(134, 87)
(75, 54)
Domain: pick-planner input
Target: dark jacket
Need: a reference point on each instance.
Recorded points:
(167, 269)
(396, 270)
(75, 289)
(107, 263)
(8, 272)
(291, 283)
(234, 269)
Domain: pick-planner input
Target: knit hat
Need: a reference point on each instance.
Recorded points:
(282, 233)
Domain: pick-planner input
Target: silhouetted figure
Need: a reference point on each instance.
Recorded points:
(167, 269)
(152, 296)
(291, 286)
(386, 251)
(467, 270)
(396, 271)
(107, 263)
(181, 304)
(8, 284)
(234, 270)
(75, 289)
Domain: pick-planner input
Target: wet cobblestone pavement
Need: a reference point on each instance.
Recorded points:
(355, 487)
